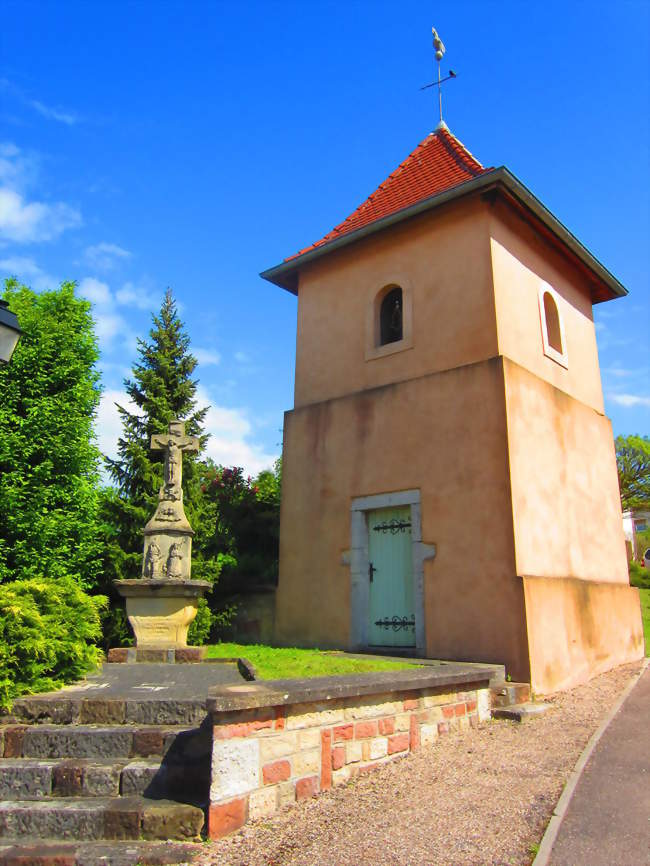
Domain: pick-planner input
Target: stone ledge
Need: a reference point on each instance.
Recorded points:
(273, 693)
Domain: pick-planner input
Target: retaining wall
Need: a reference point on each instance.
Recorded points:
(280, 742)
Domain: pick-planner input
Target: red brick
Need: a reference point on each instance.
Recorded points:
(338, 757)
(448, 712)
(14, 741)
(398, 743)
(362, 730)
(410, 705)
(343, 732)
(471, 706)
(326, 759)
(443, 727)
(306, 788)
(146, 743)
(241, 729)
(223, 818)
(459, 710)
(280, 718)
(387, 726)
(277, 771)
(414, 734)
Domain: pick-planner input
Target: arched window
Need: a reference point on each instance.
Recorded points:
(553, 331)
(550, 313)
(391, 317)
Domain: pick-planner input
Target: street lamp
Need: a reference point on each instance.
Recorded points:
(9, 332)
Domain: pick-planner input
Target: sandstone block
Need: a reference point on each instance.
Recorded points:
(306, 763)
(67, 780)
(483, 698)
(286, 793)
(309, 739)
(340, 777)
(314, 715)
(378, 748)
(403, 722)
(235, 768)
(25, 782)
(13, 741)
(278, 746)
(101, 780)
(353, 752)
(147, 743)
(262, 802)
(463, 723)
(137, 776)
(122, 820)
(435, 700)
(171, 821)
(428, 734)
(100, 711)
(443, 727)
(224, 818)
(378, 705)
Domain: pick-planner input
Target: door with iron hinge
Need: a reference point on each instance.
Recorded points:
(390, 576)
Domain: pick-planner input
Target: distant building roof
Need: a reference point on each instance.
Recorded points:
(440, 170)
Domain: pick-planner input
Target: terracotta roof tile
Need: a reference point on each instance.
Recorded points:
(438, 163)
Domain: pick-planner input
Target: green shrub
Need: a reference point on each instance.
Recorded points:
(639, 576)
(47, 629)
(200, 627)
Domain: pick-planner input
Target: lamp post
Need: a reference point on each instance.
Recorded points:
(9, 332)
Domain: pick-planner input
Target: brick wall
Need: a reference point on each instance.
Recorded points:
(271, 756)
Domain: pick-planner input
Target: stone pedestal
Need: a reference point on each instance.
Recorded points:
(161, 610)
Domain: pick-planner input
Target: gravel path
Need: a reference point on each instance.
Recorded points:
(476, 798)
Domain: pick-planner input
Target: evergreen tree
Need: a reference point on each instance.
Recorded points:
(49, 462)
(161, 389)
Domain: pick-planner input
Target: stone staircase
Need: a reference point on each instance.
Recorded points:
(111, 792)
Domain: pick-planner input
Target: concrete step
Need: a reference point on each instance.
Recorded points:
(520, 712)
(103, 742)
(98, 818)
(37, 852)
(83, 710)
(505, 694)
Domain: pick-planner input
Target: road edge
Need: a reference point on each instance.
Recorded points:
(553, 826)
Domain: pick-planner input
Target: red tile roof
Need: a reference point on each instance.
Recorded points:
(438, 163)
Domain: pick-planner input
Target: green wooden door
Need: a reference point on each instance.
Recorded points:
(392, 614)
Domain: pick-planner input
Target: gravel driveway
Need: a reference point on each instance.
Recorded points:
(476, 798)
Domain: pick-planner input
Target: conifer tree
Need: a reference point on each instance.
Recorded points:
(161, 389)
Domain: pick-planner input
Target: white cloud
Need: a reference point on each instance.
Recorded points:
(132, 295)
(27, 271)
(104, 255)
(109, 323)
(95, 291)
(629, 400)
(67, 117)
(206, 357)
(242, 358)
(25, 222)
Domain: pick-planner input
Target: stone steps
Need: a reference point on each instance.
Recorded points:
(33, 779)
(100, 818)
(39, 852)
(520, 712)
(506, 694)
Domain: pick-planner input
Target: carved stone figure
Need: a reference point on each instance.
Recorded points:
(175, 562)
(153, 562)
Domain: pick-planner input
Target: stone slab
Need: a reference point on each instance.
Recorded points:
(35, 852)
(520, 712)
(318, 689)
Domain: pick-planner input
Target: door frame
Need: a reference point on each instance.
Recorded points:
(359, 563)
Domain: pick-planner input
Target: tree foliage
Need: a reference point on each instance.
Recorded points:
(633, 463)
(49, 462)
(161, 389)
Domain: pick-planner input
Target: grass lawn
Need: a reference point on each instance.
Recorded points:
(274, 664)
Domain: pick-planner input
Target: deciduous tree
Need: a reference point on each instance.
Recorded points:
(633, 463)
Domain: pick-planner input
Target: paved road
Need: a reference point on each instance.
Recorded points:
(607, 822)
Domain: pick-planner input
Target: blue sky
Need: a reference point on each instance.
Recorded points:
(191, 145)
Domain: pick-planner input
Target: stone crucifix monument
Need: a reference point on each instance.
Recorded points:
(163, 602)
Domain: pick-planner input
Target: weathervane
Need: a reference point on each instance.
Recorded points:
(440, 51)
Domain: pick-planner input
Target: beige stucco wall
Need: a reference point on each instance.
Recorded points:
(521, 260)
(578, 628)
(565, 498)
(445, 435)
(443, 258)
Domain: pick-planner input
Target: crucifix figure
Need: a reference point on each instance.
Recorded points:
(173, 443)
